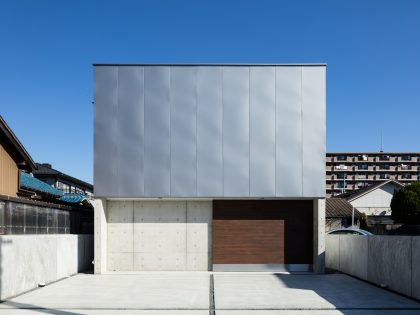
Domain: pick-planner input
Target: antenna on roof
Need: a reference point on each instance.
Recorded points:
(382, 148)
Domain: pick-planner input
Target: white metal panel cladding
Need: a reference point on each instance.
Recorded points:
(183, 131)
(209, 131)
(105, 130)
(313, 123)
(235, 131)
(130, 124)
(289, 132)
(157, 131)
(262, 131)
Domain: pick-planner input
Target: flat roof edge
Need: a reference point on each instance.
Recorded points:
(212, 64)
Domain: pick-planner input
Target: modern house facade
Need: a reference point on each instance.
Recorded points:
(348, 171)
(209, 167)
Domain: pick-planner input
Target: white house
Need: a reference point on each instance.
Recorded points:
(374, 200)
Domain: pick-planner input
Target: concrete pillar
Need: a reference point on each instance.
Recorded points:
(319, 236)
(100, 236)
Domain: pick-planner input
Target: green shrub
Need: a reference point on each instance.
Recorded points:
(405, 204)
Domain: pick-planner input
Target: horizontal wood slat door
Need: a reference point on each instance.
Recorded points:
(262, 232)
(248, 241)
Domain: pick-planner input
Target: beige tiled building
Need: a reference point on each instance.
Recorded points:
(349, 171)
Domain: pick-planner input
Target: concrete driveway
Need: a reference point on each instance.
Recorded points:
(192, 294)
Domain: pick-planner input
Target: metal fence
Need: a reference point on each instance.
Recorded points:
(20, 218)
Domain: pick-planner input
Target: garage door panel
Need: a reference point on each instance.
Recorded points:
(262, 232)
(248, 241)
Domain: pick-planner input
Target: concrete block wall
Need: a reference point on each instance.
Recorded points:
(393, 261)
(27, 260)
(158, 235)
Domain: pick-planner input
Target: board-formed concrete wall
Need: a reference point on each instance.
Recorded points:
(393, 261)
(28, 260)
(158, 235)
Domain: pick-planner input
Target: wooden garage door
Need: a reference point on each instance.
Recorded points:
(262, 232)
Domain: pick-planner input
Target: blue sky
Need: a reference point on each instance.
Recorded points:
(47, 48)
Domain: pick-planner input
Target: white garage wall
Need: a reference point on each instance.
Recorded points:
(159, 235)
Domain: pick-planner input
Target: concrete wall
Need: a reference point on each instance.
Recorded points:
(393, 261)
(158, 235)
(319, 236)
(27, 260)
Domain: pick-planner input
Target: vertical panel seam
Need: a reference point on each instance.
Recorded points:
(249, 131)
(170, 131)
(223, 122)
(301, 129)
(196, 134)
(275, 131)
(144, 130)
(117, 131)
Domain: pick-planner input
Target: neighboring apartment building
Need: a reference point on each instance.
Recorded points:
(209, 167)
(351, 171)
(61, 181)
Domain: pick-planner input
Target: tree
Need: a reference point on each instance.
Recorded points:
(405, 204)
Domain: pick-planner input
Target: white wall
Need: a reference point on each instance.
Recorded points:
(158, 235)
(27, 260)
(376, 202)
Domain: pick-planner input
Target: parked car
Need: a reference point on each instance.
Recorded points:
(353, 231)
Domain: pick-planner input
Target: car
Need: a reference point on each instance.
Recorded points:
(353, 231)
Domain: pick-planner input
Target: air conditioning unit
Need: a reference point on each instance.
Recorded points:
(341, 167)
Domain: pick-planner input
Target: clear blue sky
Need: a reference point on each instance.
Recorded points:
(47, 48)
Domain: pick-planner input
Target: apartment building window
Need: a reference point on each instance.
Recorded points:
(362, 157)
(406, 157)
(341, 175)
(384, 167)
(362, 176)
(406, 176)
(341, 158)
(340, 185)
(384, 157)
(405, 167)
(384, 176)
(362, 167)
